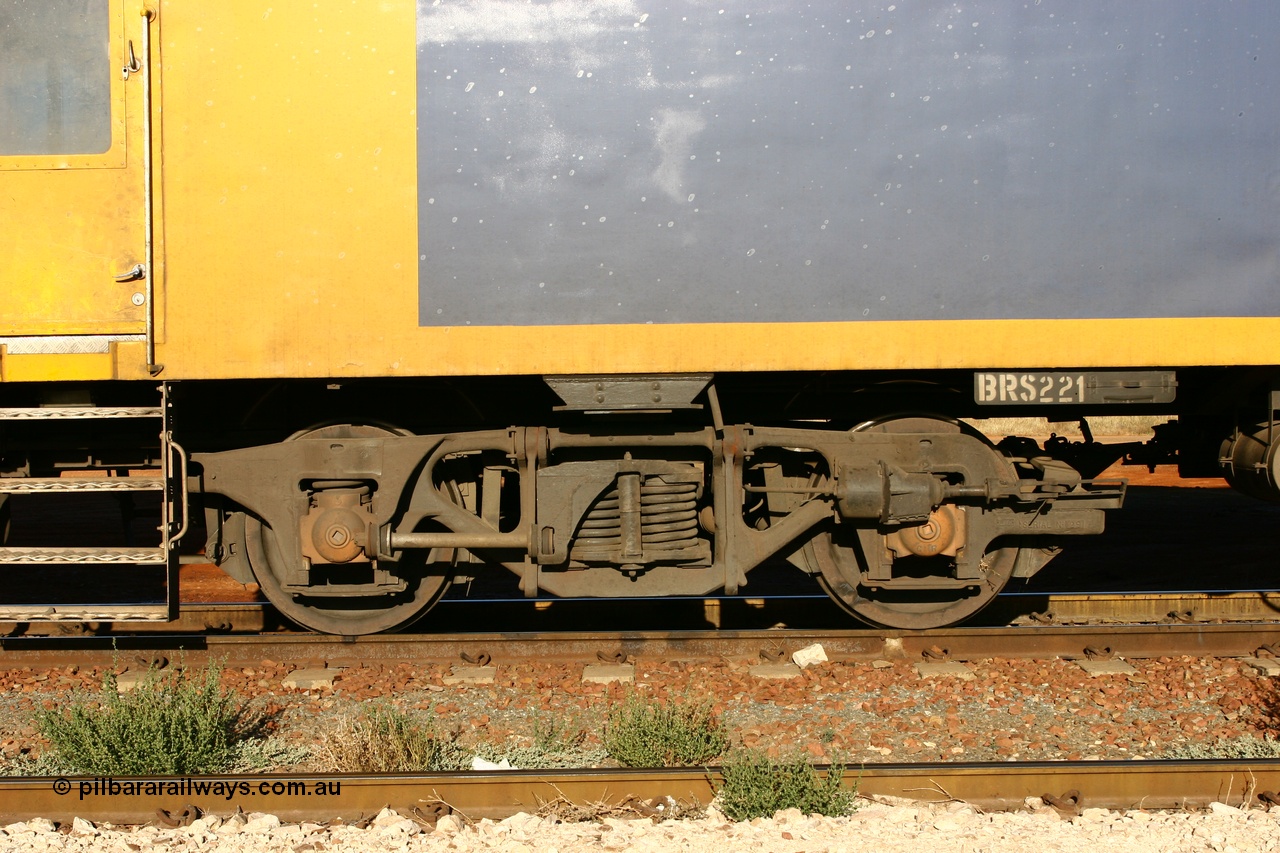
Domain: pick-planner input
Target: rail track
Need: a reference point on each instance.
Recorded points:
(1126, 626)
(252, 617)
(1070, 786)
(1232, 626)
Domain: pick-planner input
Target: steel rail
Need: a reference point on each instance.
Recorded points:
(994, 786)
(1026, 642)
(1023, 609)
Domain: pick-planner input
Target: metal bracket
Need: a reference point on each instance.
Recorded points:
(628, 393)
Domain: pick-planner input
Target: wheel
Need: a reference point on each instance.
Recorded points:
(840, 573)
(346, 615)
(926, 594)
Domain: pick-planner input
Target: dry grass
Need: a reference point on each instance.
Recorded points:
(659, 809)
(385, 740)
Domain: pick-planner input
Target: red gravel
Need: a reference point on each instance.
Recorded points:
(1012, 710)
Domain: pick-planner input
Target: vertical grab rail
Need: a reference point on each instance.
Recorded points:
(175, 506)
(148, 193)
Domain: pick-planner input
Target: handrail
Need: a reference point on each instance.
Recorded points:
(148, 193)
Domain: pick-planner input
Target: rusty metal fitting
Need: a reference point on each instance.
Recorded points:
(337, 534)
(614, 657)
(942, 534)
(187, 816)
(431, 812)
(1069, 802)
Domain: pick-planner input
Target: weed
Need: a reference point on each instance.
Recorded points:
(758, 786)
(659, 809)
(25, 764)
(557, 742)
(1242, 747)
(174, 722)
(385, 740)
(270, 754)
(644, 732)
(557, 733)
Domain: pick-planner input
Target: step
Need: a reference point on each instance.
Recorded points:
(129, 556)
(79, 485)
(84, 613)
(79, 412)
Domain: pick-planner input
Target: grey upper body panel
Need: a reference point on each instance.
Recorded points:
(610, 161)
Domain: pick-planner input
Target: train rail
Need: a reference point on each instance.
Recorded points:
(1069, 786)
(239, 617)
(1235, 639)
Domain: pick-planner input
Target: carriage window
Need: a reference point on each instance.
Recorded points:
(55, 77)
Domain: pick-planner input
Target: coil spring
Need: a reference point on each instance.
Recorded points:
(668, 518)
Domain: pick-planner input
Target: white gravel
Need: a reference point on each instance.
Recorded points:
(879, 827)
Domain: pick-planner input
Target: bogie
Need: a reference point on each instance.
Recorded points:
(357, 528)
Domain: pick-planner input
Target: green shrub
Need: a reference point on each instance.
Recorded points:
(383, 739)
(174, 722)
(758, 786)
(652, 733)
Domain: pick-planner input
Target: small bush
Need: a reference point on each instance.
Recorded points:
(557, 742)
(269, 755)
(651, 733)
(1242, 747)
(385, 740)
(26, 764)
(758, 786)
(174, 722)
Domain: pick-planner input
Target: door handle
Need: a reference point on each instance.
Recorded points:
(137, 273)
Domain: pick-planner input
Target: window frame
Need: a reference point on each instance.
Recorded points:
(115, 157)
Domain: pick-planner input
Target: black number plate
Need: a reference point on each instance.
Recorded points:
(1068, 388)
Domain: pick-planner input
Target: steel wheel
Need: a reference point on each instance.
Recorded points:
(346, 616)
(838, 560)
(349, 616)
(840, 574)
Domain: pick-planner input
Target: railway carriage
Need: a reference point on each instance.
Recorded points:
(623, 298)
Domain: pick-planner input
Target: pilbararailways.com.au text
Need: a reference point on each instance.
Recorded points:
(224, 788)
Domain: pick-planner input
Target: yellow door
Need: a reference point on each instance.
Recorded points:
(74, 170)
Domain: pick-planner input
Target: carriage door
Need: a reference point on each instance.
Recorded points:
(76, 213)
